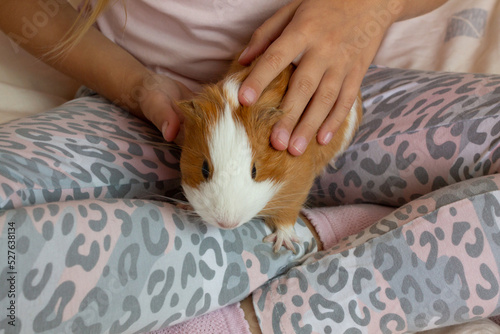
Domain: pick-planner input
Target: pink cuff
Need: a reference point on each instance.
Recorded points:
(336, 223)
(228, 320)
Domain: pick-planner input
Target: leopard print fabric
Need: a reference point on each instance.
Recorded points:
(98, 250)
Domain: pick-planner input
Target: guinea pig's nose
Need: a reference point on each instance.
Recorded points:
(227, 225)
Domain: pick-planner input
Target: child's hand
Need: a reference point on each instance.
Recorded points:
(157, 103)
(333, 43)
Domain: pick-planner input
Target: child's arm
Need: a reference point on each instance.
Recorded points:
(96, 62)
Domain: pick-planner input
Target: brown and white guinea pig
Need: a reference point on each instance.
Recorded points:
(230, 172)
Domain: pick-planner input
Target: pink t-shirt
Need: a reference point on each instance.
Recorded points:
(192, 41)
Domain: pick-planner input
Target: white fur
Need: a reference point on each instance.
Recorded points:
(230, 88)
(351, 120)
(230, 197)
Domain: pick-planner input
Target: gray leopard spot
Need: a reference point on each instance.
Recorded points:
(52, 196)
(389, 318)
(234, 284)
(207, 272)
(297, 301)
(97, 296)
(392, 182)
(421, 175)
(211, 243)
(459, 230)
(301, 278)
(405, 305)
(442, 308)
(298, 329)
(38, 214)
(67, 224)
(98, 225)
(353, 331)
(50, 317)
(126, 226)
(454, 269)
(158, 301)
(432, 287)
(462, 314)
(425, 239)
(409, 282)
(48, 230)
(375, 301)
(232, 241)
(189, 268)
(421, 320)
(437, 151)
(332, 272)
(477, 310)
(179, 224)
(474, 136)
(131, 252)
(318, 303)
(383, 250)
(177, 243)
(491, 210)
(130, 304)
(23, 245)
(476, 249)
(360, 274)
(403, 163)
(361, 321)
(174, 301)
(74, 258)
(279, 310)
(34, 134)
(492, 292)
(32, 291)
(197, 296)
(158, 248)
(371, 167)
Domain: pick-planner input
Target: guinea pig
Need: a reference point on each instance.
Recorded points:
(229, 171)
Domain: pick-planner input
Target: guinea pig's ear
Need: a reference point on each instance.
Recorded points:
(189, 108)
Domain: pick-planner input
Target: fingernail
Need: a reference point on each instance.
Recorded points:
(327, 138)
(283, 137)
(300, 144)
(243, 54)
(249, 95)
(164, 128)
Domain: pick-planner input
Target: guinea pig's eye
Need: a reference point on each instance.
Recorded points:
(254, 172)
(205, 169)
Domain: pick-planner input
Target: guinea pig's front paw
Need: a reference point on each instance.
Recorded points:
(284, 236)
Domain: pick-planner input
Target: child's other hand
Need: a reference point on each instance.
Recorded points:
(332, 42)
(156, 97)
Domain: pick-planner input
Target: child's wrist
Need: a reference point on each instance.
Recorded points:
(135, 92)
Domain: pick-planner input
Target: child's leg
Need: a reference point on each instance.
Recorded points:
(421, 131)
(126, 266)
(87, 148)
(433, 262)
